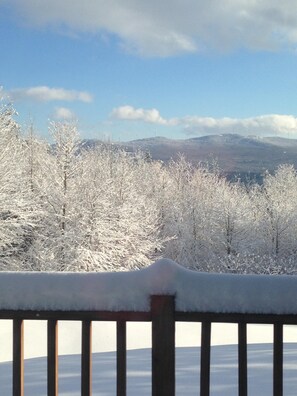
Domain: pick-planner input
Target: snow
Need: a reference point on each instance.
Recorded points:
(130, 291)
(223, 372)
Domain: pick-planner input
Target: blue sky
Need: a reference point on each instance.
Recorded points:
(128, 69)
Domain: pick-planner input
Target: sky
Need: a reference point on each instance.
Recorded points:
(132, 69)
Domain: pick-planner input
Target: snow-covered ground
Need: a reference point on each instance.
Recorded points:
(223, 372)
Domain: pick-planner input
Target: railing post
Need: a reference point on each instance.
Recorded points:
(163, 345)
(52, 358)
(18, 357)
(86, 358)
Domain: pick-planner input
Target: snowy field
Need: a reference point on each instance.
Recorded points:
(223, 372)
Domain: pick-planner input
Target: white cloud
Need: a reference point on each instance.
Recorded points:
(62, 113)
(169, 27)
(151, 116)
(46, 94)
(272, 124)
(269, 125)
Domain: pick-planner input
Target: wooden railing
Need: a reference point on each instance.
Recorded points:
(163, 317)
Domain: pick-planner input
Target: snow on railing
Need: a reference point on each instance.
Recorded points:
(131, 291)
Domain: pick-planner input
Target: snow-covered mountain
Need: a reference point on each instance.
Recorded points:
(237, 156)
(234, 154)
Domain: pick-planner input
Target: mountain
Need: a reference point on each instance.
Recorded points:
(244, 157)
(237, 156)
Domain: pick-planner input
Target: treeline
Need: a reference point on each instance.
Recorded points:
(64, 207)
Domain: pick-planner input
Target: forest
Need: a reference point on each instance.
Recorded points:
(68, 207)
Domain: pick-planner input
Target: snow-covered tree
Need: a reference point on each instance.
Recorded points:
(232, 219)
(118, 218)
(189, 213)
(67, 207)
(208, 216)
(17, 217)
(276, 212)
(98, 207)
(55, 245)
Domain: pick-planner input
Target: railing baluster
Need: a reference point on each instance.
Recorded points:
(18, 357)
(278, 360)
(121, 358)
(205, 359)
(52, 358)
(163, 345)
(242, 360)
(86, 358)
(163, 317)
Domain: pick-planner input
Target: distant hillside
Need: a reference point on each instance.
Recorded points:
(237, 156)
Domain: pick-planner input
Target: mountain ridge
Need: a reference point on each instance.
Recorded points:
(237, 156)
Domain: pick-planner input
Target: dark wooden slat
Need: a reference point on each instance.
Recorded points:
(18, 357)
(163, 346)
(234, 317)
(146, 316)
(77, 315)
(205, 359)
(52, 358)
(86, 358)
(121, 358)
(242, 360)
(278, 360)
